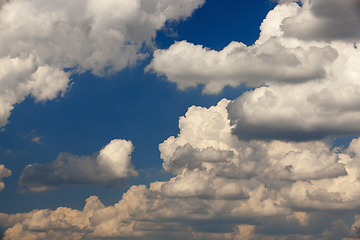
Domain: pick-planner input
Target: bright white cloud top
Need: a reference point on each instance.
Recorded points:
(41, 40)
(242, 169)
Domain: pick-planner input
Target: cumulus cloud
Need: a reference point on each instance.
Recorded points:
(246, 185)
(306, 74)
(4, 172)
(237, 64)
(253, 185)
(270, 60)
(112, 165)
(41, 40)
(325, 20)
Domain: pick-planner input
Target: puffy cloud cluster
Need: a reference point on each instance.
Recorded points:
(112, 165)
(307, 74)
(253, 185)
(237, 64)
(41, 40)
(4, 172)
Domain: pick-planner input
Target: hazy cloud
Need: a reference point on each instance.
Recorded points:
(4, 172)
(34, 138)
(112, 165)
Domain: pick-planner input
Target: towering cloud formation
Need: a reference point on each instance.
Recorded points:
(252, 185)
(4, 172)
(40, 40)
(111, 165)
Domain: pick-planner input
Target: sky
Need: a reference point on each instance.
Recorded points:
(167, 119)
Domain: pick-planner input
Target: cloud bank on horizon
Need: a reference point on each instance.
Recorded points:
(252, 168)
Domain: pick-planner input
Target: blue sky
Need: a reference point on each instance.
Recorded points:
(265, 153)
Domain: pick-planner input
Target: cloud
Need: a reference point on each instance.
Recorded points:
(112, 165)
(310, 111)
(270, 60)
(237, 64)
(4, 172)
(306, 87)
(252, 168)
(224, 188)
(311, 86)
(42, 43)
(325, 20)
(34, 138)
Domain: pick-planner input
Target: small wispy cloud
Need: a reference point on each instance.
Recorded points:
(34, 137)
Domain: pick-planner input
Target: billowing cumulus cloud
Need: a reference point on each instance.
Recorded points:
(302, 187)
(39, 40)
(4, 172)
(307, 82)
(273, 59)
(112, 165)
(237, 64)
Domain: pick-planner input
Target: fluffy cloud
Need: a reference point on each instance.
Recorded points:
(112, 165)
(237, 64)
(270, 60)
(316, 112)
(238, 186)
(255, 185)
(39, 40)
(4, 172)
(307, 83)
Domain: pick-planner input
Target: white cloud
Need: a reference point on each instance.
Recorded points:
(4, 172)
(307, 83)
(112, 165)
(40, 40)
(309, 111)
(237, 64)
(270, 60)
(256, 185)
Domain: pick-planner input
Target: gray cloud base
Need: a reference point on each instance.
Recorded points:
(111, 166)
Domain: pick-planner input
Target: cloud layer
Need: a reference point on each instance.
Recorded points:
(253, 185)
(41, 40)
(112, 165)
